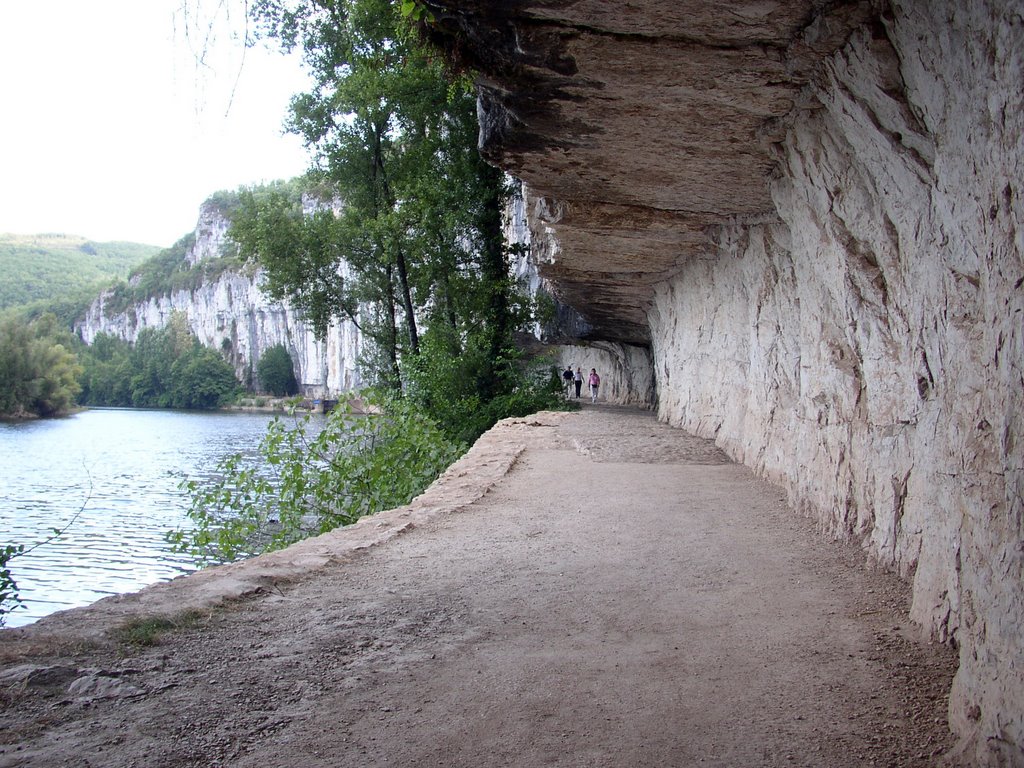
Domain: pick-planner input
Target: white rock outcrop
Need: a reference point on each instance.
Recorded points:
(231, 314)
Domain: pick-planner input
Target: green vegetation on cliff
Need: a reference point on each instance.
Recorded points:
(167, 272)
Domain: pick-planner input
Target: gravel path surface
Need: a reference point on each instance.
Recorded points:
(591, 589)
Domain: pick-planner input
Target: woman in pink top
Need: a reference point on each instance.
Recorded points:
(594, 381)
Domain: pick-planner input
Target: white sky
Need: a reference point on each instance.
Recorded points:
(110, 129)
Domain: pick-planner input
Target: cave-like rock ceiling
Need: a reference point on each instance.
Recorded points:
(644, 124)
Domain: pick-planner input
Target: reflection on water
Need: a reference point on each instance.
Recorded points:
(121, 467)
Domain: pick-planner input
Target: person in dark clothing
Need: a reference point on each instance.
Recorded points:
(567, 381)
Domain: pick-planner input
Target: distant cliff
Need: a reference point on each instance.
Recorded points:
(227, 311)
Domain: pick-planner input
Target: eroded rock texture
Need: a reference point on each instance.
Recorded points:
(231, 314)
(810, 212)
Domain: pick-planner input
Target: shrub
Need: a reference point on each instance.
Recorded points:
(38, 372)
(9, 595)
(358, 464)
(276, 372)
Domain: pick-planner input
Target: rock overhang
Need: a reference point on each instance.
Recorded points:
(643, 126)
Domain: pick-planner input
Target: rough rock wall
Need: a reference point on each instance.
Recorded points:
(866, 350)
(210, 235)
(811, 211)
(535, 247)
(231, 314)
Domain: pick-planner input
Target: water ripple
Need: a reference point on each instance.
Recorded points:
(121, 468)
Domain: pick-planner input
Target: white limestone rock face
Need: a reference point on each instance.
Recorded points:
(211, 235)
(865, 347)
(232, 315)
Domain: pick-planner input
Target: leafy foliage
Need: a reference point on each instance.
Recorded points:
(357, 465)
(10, 599)
(201, 379)
(277, 372)
(417, 11)
(38, 371)
(40, 268)
(451, 389)
(166, 368)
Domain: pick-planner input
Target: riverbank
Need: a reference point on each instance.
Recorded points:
(269, 404)
(589, 588)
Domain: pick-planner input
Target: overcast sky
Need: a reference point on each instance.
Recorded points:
(111, 130)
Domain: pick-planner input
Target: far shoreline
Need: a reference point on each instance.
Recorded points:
(246, 404)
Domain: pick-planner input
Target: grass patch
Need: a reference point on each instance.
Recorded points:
(145, 631)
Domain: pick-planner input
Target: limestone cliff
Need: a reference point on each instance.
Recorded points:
(230, 313)
(809, 213)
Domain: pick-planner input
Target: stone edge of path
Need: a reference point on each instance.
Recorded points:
(464, 482)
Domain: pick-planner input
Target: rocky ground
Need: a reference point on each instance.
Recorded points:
(591, 589)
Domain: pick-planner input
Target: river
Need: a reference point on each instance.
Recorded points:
(121, 468)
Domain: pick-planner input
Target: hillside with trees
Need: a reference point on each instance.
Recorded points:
(48, 267)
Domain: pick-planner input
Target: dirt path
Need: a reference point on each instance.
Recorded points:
(621, 596)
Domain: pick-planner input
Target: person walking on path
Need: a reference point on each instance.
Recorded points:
(595, 382)
(578, 381)
(567, 381)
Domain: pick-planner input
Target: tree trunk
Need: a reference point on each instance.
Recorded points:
(395, 381)
(386, 201)
(494, 268)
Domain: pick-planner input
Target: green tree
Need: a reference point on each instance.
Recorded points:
(152, 357)
(106, 372)
(38, 371)
(413, 250)
(201, 379)
(166, 368)
(277, 372)
(357, 465)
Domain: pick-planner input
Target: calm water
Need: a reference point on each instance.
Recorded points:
(124, 467)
